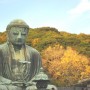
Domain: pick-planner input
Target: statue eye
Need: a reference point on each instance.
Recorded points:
(15, 33)
(23, 34)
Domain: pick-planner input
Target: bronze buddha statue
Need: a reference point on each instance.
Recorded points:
(18, 61)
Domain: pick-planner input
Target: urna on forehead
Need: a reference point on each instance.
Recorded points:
(17, 23)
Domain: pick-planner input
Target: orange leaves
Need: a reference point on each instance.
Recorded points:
(35, 41)
(65, 65)
(2, 37)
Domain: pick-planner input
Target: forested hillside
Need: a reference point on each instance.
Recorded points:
(40, 38)
(65, 56)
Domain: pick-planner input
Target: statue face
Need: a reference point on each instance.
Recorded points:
(17, 35)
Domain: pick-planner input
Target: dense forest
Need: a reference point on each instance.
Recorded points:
(65, 56)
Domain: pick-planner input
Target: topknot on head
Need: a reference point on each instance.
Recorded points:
(17, 23)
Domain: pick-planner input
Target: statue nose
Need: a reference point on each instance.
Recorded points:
(19, 36)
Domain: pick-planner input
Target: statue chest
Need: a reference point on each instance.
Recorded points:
(18, 69)
(18, 66)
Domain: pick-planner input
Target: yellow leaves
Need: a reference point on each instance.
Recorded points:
(54, 52)
(69, 53)
(66, 66)
(86, 73)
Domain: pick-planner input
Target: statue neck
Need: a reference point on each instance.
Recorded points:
(17, 51)
(17, 47)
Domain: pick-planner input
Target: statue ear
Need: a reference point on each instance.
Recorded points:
(27, 31)
(8, 34)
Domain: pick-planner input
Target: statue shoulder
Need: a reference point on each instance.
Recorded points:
(3, 49)
(3, 46)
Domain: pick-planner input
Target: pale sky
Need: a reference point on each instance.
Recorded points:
(71, 16)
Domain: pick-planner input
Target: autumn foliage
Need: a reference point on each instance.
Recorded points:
(66, 66)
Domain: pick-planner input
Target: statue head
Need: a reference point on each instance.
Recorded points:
(17, 31)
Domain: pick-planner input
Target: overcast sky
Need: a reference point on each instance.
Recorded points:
(71, 16)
